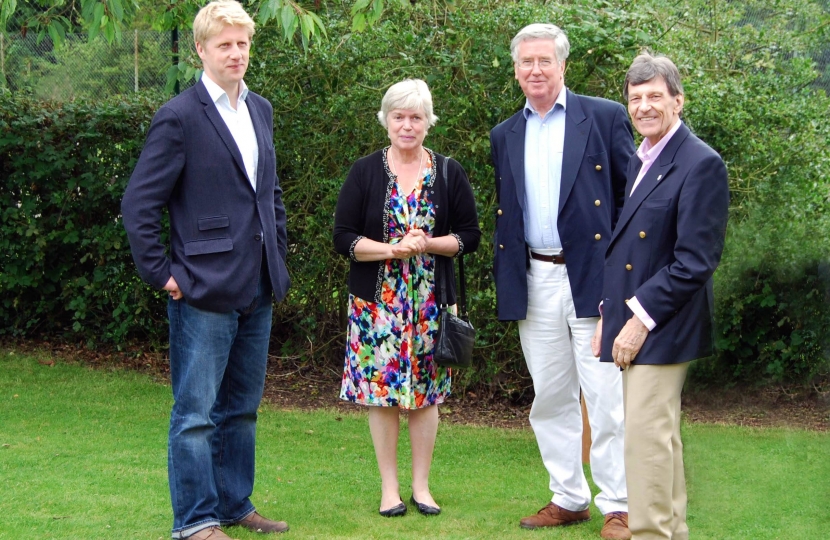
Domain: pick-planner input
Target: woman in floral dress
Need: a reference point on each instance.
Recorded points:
(401, 221)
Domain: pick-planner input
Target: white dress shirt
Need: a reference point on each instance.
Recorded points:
(239, 123)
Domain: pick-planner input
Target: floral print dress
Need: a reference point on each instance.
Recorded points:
(390, 343)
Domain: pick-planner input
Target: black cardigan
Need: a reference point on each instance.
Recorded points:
(363, 205)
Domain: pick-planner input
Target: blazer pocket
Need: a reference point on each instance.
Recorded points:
(595, 160)
(216, 222)
(656, 203)
(204, 247)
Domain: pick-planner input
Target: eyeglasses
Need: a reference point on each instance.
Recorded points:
(527, 64)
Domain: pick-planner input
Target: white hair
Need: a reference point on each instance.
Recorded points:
(562, 46)
(409, 94)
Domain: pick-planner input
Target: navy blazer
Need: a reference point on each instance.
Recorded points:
(219, 226)
(598, 145)
(665, 248)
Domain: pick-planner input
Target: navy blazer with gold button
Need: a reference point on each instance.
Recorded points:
(598, 145)
(219, 226)
(665, 248)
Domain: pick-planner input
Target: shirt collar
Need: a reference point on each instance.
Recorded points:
(647, 152)
(560, 100)
(216, 93)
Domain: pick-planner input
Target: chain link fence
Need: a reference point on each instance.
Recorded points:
(89, 69)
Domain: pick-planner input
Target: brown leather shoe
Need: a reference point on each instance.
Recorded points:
(210, 533)
(616, 526)
(255, 522)
(554, 515)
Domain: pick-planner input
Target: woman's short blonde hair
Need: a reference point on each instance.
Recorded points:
(409, 94)
(212, 18)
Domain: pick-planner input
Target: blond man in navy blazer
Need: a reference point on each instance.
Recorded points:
(657, 309)
(560, 168)
(209, 160)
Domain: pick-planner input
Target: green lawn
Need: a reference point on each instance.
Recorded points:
(83, 456)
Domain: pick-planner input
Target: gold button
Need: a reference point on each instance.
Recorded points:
(499, 212)
(642, 234)
(597, 202)
(501, 246)
(626, 300)
(598, 167)
(597, 237)
(628, 267)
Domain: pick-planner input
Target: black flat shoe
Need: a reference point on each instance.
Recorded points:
(425, 509)
(395, 511)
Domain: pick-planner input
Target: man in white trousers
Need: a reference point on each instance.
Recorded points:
(560, 166)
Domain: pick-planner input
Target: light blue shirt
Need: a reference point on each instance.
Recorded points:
(544, 142)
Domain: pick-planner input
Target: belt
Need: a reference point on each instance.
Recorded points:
(555, 259)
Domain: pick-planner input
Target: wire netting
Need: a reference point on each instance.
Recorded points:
(86, 69)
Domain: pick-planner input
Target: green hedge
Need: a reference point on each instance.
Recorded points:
(66, 266)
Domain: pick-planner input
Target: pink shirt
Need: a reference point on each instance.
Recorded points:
(648, 154)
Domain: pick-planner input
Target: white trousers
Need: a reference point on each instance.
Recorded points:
(557, 349)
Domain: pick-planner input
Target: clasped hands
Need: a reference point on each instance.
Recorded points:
(627, 343)
(414, 243)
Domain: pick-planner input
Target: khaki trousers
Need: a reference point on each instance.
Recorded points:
(654, 452)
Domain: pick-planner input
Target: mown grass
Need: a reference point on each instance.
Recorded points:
(83, 456)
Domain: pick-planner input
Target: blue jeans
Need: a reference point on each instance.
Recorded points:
(217, 367)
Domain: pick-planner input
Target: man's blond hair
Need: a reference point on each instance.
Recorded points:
(215, 16)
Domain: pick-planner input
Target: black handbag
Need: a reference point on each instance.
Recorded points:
(456, 336)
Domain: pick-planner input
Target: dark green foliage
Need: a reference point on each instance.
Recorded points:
(772, 293)
(325, 104)
(66, 269)
(748, 82)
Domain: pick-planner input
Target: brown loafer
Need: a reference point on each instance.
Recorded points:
(210, 533)
(616, 526)
(255, 522)
(554, 515)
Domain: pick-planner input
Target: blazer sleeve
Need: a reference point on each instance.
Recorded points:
(702, 212)
(148, 192)
(279, 206)
(349, 221)
(282, 225)
(622, 148)
(463, 214)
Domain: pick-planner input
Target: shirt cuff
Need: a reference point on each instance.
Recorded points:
(634, 305)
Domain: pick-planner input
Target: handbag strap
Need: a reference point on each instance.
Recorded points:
(462, 298)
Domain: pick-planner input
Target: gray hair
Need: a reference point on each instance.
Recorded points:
(562, 46)
(410, 94)
(647, 67)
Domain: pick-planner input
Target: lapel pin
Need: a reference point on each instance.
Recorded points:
(659, 177)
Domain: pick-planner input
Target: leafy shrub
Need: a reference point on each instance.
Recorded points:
(772, 293)
(66, 268)
(325, 104)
